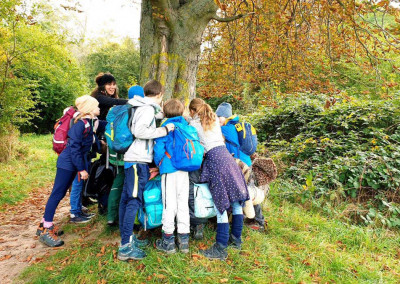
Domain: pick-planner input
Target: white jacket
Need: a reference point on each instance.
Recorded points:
(144, 130)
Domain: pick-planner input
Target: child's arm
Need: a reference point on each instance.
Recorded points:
(75, 142)
(159, 149)
(142, 126)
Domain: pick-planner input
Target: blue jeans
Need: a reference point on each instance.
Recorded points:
(129, 205)
(259, 214)
(237, 209)
(75, 198)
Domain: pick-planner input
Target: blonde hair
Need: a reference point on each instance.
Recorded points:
(173, 108)
(205, 113)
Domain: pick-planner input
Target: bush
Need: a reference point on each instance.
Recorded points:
(349, 151)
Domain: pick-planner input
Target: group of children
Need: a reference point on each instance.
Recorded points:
(225, 179)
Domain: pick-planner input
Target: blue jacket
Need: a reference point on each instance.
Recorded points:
(232, 140)
(75, 156)
(163, 162)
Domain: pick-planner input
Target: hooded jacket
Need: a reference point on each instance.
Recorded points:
(232, 140)
(144, 130)
(163, 162)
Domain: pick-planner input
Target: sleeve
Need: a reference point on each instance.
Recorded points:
(159, 149)
(142, 126)
(109, 101)
(75, 140)
(102, 126)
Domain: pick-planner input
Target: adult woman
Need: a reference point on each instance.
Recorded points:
(106, 93)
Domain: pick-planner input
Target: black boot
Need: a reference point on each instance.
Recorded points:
(217, 251)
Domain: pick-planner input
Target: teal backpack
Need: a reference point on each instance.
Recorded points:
(118, 129)
(150, 215)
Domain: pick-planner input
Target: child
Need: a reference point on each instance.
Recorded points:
(227, 122)
(74, 159)
(225, 179)
(137, 158)
(174, 185)
(117, 160)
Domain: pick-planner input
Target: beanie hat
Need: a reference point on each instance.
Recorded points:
(135, 91)
(86, 104)
(105, 79)
(224, 110)
(264, 170)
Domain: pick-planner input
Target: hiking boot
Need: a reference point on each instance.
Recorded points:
(234, 242)
(198, 232)
(78, 219)
(166, 244)
(138, 243)
(183, 242)
(217, 251)
(127, 252)
(57, 232)
(49, 238)
(87, 214)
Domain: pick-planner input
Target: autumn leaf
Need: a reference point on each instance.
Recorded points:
(8, 256)
(306, 262)
(196, 256)
(160, 276)
(238, 278)
(50, 268)
(223, 280)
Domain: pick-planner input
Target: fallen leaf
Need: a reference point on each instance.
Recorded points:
(195, 256)
(114, 252)
(223, 280)
(90, 271)
(141, 267)
(29, 258)
(8, 256)
(103, 249)
(160, 276)
(149, 278)
(50, 268)
(202, 246)
(306, 262)
(238, 278)
(33, 245)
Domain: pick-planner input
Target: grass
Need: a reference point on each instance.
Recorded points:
(35, 168)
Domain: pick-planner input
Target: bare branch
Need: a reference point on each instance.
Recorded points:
(230, 19)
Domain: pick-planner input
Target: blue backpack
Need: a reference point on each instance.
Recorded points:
(186, 148)
(150, 215)
(118, 129)
(247, 137)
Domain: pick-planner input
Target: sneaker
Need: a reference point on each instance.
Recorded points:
(78, 219)
(127, 252)
(183, 242)
(138, 243)
(87, 214)
(198, 232)
(40, 230)
(112, 223)
(234, 242)
(217, 251)
(49, 238)
(85, 209)
(166, 245)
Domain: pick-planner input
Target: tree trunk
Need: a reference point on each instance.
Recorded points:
(170, 40)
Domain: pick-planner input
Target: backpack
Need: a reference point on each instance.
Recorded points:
(100, 179)
(247, 137)
(186, 148)
(203, 202)
(60, 136)
(150, 215)
(118, 129)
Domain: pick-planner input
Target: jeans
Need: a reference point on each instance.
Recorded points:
(237, 209)
(75, 198)
(259, 215)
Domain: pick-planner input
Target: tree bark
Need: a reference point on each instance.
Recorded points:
(170, 40)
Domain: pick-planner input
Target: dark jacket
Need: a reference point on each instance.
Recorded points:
(75, 156)
(106, 102)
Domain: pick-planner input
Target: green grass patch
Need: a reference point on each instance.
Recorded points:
(34, 168)
(300, 245)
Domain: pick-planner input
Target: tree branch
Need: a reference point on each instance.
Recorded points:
(230, 19)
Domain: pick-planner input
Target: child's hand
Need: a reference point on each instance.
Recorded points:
(84, 175)
(170, 127)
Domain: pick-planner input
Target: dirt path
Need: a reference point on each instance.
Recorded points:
(19, 246)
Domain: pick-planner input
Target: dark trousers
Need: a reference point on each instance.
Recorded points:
(136, 178)
(63, 181)
(259, 218)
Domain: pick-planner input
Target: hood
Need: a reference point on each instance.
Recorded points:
(138, 101)
(177, 120)
(232, 120)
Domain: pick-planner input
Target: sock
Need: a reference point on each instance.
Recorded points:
(237, 226)
(222, 234)
(168, 236)
(42, 220)
(47, 224)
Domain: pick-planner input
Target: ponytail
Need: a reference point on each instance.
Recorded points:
(79, 116)
(205, 113)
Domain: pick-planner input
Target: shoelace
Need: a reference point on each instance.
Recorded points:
(52, 233)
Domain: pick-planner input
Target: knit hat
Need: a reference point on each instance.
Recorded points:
(135, 91)
(86, 104)
(106, 78)
(224, 110)
(264, 170)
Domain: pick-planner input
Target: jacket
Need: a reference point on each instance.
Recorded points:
(210, 139)
(106, 102)
(75, 156)
(232, 140)
(163, 162)
(144, 130)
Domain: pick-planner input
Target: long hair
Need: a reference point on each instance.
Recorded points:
(205, 113)
(101, 90)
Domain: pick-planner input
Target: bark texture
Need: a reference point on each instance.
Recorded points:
(170, 40)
